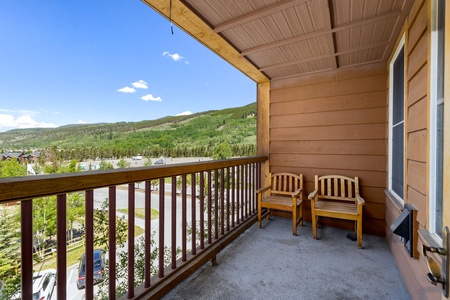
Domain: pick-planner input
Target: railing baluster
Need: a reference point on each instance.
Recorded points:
(61, 246)
(216, 204)
(174, 222)
(112, 241)
(161, 228)
(252, 187)
(193, 214)
(228, 199)
(246, 191)
(202, 210)
(233, 196)
(238, 198)
(147, 233)
(249, 188)
(242, 192)
(183, 218)
(26, 214)
(131, 223)
(89, 279)
(209, 207)
(222, 201)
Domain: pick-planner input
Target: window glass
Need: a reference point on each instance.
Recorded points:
(437, 116)
(397, 126)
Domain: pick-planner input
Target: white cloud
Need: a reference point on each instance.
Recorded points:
(9, 122)
(149, 97)
(6, 121)
(141, 84)
(175, 56)
(127, 89)
(81, 122)
(185, 113)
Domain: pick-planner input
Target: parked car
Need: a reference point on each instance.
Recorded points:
(159, 162)
(99, 268)
(44, 283)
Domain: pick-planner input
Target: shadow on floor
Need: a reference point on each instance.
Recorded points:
(271, 263)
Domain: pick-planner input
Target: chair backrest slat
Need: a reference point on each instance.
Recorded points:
(337, 187)
(286, 183)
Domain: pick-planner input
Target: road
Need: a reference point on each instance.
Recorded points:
(122, 202)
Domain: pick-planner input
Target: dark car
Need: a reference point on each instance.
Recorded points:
(99, 269)
(159, 162)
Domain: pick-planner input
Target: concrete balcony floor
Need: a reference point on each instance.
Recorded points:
(271, 263)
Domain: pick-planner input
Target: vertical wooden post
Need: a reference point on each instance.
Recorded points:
(263, 127)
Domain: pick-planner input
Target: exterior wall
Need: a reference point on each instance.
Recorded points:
(334, 123)
(417, 64)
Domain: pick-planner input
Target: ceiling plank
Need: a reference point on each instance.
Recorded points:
(267, 11)
(326, 56)
(307, 36)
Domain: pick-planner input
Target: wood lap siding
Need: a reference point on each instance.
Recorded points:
(416, 146)
(334, 125)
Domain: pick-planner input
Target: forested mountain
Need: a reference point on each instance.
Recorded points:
(191, 135)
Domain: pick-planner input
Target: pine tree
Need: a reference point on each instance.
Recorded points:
(9, 249)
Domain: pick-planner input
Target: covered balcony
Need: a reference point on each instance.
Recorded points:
(195, 224)
(330, 75)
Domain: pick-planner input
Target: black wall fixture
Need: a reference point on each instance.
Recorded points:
(403, 226)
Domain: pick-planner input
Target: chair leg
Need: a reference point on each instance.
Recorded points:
(294, 221)
(259, 214)
(314, 225)
(300, 210)
(359, 233)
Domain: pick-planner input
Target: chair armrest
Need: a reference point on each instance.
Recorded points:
(297, 193)
(312, 195)
(262, 189)
(359, 200)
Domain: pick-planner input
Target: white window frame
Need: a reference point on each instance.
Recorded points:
(434, 102)
(400, 46)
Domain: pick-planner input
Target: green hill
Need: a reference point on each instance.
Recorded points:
(191, 135)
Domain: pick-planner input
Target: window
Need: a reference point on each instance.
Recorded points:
(397, 123)
(436, 116)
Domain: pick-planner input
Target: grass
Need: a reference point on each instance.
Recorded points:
(140, 213)
(74, 254)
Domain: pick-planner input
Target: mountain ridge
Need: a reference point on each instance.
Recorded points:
(235, 126)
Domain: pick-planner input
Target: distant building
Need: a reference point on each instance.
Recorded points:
(20, 156)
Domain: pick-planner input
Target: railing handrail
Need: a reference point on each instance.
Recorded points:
(29, 187)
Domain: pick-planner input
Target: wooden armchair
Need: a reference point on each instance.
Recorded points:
(285, 193)
(337, 197)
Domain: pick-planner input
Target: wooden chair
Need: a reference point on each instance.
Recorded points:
(337, 197)
(284, 193)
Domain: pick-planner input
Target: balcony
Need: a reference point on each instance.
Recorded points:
(217, 209)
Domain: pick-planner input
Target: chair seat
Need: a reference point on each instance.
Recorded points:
(279, 200)
(336, 207)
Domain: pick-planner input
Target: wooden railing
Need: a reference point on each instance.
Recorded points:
(223, 205)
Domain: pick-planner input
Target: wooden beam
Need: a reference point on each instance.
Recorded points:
(188, 21)
(267, 11)
(325, 9)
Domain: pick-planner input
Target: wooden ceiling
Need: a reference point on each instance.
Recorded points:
(286, 38)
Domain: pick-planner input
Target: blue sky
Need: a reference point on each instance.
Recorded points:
(68, 62)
